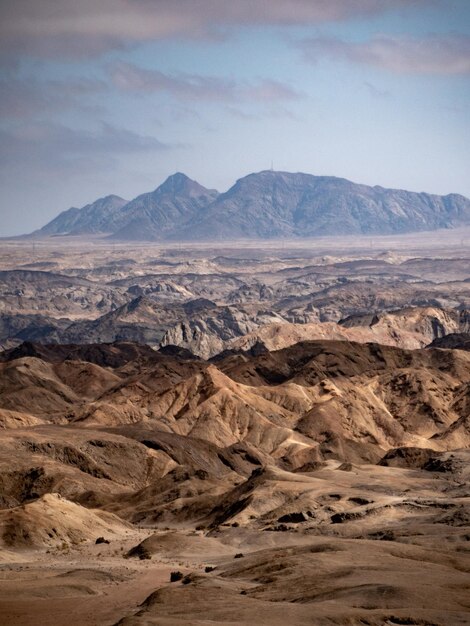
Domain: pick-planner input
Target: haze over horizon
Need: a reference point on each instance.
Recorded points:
(113, 98)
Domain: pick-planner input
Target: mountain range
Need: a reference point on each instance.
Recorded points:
(264, 205)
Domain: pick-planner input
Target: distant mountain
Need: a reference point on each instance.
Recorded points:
(163, 212)
(265, 205)
(278, 204)
(150, 216)
(92, 218)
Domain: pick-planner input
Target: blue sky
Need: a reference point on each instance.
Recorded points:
(114, 96)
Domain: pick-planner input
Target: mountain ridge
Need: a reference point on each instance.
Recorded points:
(86, 220)
(262, 205)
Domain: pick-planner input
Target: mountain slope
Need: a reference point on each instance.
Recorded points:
(264, 205)
(280, 204)
(149, 216)
(412, 327)
(92, 218)
(163, 211)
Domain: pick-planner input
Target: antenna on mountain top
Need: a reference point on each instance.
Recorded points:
(272, 166)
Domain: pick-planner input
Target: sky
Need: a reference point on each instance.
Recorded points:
(113, 96)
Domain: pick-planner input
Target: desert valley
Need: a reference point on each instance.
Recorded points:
(244, 432)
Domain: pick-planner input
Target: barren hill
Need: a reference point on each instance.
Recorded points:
(255, 478)
(304, 404)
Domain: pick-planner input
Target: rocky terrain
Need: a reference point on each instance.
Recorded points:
(235, 434)
(92, 218)
(329, 468)
(265, 205)
(212, 299)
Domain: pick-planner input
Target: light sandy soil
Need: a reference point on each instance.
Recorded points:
(92, 585)
(399, 556)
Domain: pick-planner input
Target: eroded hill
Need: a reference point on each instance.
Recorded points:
(265, 427)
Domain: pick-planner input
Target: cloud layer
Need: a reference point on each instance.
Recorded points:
(190, 87)
(435, 54)
(22, 98)
(53, 149)
(87, 27)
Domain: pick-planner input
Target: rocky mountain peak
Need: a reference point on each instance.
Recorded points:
(263, 205)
